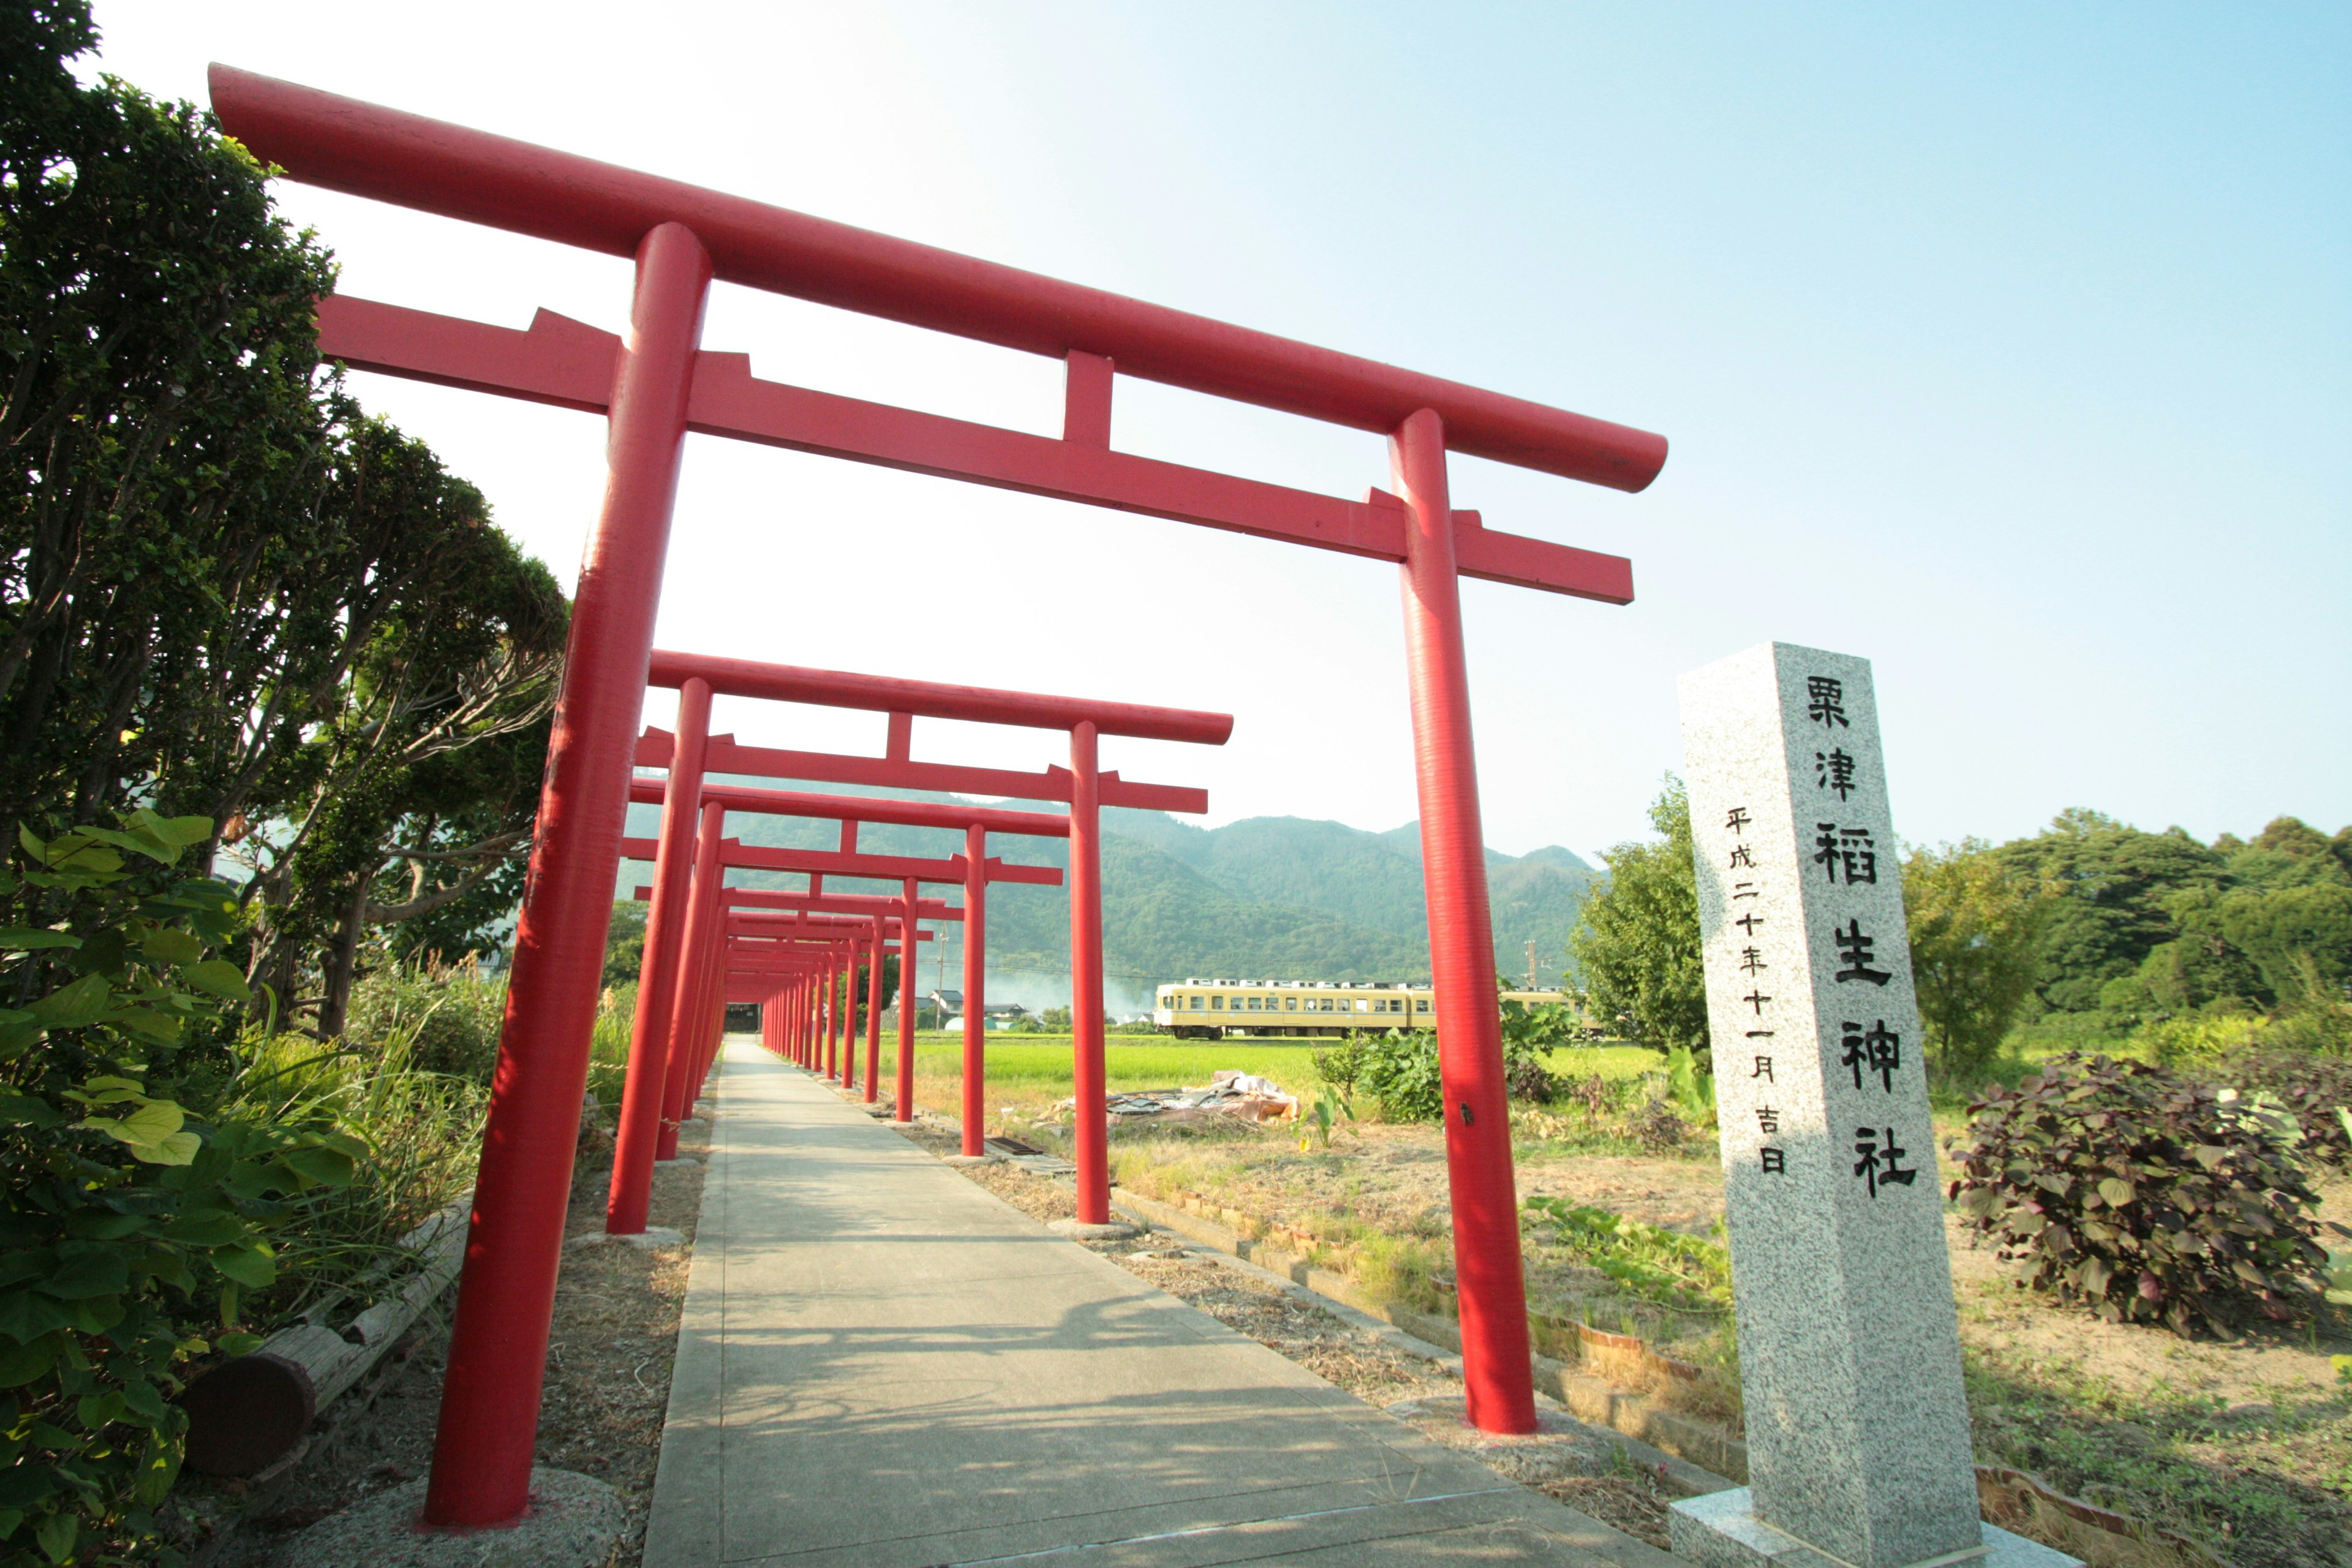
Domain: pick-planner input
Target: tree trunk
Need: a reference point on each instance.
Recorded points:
(341, 960)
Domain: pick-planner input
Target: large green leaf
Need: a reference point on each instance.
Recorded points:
(216, 1228)
(326, 1167)
(77, 1006)
(146, 1023)
(169, 944)
(23, 939)
(98, 1410)
(57, 1534)
(159, 1467)
(19, 1028)
(151, 1123)
(21, 1363)
(26, 1315)
(180, 831)
(138, 841)
(178, 1149)
(218, 977)
(24, 1111)
(87, 1269)
(251, 1266)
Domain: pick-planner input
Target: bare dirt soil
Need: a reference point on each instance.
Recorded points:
(616, 1329)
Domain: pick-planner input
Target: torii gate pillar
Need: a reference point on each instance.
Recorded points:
(497, 1347)
(1493, 1296)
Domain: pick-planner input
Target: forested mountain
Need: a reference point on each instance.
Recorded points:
(1279, 897)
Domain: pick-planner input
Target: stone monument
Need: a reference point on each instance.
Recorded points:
(1849, 1348)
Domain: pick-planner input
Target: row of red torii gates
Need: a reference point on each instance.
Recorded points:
(659, 384)
(798, 954)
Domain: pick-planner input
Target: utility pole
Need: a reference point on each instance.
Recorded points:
(1531, 966)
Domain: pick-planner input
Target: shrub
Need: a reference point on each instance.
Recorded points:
(1529, 1080)
(1659, 1128)
(2317, 1014)
(1602, 1096)
(1342, 1065)
(2143, 1196)
(2311, 1089)
(1399, 1070)
(2198, 1038)
(608, 1049)
(129, 1231)
(449, 1015)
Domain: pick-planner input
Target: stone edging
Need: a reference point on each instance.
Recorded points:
(1589, 1398)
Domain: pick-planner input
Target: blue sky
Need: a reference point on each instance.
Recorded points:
(2009, 347)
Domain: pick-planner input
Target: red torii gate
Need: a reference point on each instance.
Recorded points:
(963, 871)
(662, 384)
(746, 932)
(658, 1089)
(753, 937)
(910, 912)
(753, 942)
(1085, 786)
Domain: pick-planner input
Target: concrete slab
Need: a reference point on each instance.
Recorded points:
(883, 1366)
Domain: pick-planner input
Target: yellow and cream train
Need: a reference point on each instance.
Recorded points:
(1211, 1009)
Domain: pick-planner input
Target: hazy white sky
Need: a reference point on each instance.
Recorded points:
(2005, 346)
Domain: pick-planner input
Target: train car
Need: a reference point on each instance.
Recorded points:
(1212, 1009)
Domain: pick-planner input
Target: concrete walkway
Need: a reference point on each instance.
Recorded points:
(882, 1365)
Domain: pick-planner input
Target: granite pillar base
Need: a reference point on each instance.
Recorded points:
(1720, 1531)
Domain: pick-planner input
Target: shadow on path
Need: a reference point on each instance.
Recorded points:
(882, 1365)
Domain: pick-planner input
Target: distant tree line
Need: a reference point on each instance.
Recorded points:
(224, 589)
(2090, 928)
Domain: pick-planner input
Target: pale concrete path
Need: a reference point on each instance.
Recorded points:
(883, 1365)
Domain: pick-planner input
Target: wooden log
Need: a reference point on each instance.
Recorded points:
(247, 1412)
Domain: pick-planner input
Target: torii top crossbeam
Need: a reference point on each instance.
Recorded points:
(934, 699)
(366, 149)
(855, 809)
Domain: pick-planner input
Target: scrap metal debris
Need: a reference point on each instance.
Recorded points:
(1029, 1157)
(1227, 1093)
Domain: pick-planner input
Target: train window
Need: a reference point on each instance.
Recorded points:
(1256, 1004)
(1290, 1003)
(1420, 1005)
(1362, 1005)
(1217, 1002)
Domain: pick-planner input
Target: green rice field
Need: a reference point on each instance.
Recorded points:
(1030, 1072)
